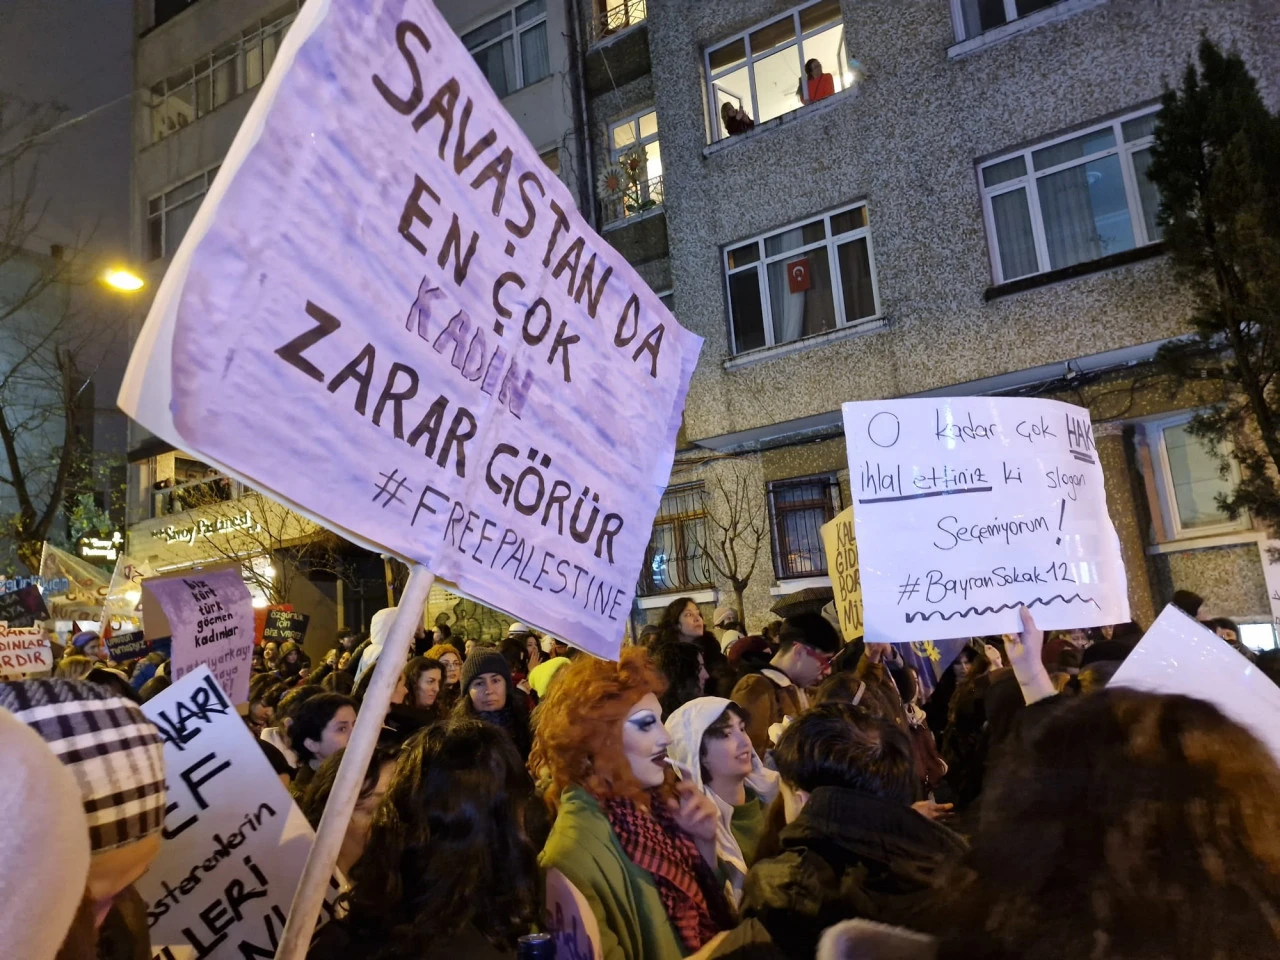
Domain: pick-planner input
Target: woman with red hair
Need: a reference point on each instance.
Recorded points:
(639, 846)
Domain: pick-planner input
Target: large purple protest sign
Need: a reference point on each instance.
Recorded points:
(390, 314)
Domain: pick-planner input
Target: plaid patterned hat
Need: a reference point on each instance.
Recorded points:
(113, 751)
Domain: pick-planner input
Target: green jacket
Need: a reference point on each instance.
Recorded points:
(624, 898)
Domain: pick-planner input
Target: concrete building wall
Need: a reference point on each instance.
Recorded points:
(907, 141)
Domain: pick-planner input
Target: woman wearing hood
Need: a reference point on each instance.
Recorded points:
(709, 742)
(379, 627)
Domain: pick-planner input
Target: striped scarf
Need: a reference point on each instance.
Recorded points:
(690, 893)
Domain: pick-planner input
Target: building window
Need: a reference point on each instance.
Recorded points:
(975, 17)
(217, 77)
(512, 49)
(802, 280)
(674, 561)
(170, 214)
(633, 146)
(1072, 199)
(1188, 480)
(798, 509)
(614, 16)
(761, 73)
(165, 10)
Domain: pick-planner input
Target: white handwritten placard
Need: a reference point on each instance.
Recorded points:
(24, 651)
(432, 352)
(210, 618)
(967, 508)
(1180, 655)
(1269, 551)
(234, 842)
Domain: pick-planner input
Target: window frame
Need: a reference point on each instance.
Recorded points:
(162, 213)
(709, 77)
(646, 586)
(830, 243)
(645, 189)
(1011, 15)
(1123, 149)
(513, 32)
(204, 68)
(1163, 482)
(832, 503)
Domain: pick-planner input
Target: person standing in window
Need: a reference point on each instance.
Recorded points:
(816, 85)
(736, 120)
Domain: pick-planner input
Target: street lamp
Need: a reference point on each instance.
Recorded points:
(123, 280)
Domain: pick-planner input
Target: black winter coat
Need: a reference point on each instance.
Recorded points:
(847, 855)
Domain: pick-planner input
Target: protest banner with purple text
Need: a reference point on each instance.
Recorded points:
(390, 315)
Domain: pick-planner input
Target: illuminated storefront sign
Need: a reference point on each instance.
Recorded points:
(206, 528)
(98, 548)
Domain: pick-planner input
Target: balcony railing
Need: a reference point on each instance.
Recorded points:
(638, 199)
(196, 493)
(616, 17)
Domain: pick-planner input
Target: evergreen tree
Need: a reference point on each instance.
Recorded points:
(1216, 163)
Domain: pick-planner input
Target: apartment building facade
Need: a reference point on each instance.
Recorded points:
(962, 186)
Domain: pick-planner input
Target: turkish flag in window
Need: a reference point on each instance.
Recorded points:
(798, 279)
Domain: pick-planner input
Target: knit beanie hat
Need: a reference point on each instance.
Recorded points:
(44, 860)
(485, 660)
(83, 638)
(113, 751)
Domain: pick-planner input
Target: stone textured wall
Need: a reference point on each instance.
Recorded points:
(907, 141)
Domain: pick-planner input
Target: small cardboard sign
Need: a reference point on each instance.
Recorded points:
(285, 625)
(23, 607)
(209, 614)
(24, 651)
(842, 567)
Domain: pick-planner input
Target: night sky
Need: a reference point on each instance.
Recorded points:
(78, 52)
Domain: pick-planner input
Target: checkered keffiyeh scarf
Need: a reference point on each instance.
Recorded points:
(114, 752)
(688, 888)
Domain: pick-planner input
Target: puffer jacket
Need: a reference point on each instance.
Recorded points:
(848, 854)
(687, 725)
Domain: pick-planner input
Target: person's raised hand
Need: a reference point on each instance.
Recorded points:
(877, 652)
(1027, 646)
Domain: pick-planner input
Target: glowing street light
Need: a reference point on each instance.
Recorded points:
(123, 280)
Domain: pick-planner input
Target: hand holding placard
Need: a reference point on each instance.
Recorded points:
(968, 508)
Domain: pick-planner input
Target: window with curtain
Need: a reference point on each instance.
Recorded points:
(218, 77)
(975, 17)
(762, 71)
(170, 214)
(1072, 199)
(674, 561)
(802, 280)
(511, 49)
(1188, 479)
(798, 509)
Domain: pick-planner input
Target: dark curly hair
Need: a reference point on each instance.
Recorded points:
(681, 664)
(1127, 825)
(448, 847)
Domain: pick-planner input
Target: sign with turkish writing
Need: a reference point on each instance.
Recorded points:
(24, 651)
(841, 548)
(234, 842)
(1270, 552)
(969, 507)
(285, 625)
(1178, 655)
(433, 353)
(23, 607)
(209, 615)
(73, 589)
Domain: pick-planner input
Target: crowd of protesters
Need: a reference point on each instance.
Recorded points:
(713, 792)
